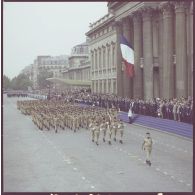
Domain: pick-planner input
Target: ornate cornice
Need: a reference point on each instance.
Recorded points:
(146, 12)
(167, 8)
(180, 6)
(137, 16)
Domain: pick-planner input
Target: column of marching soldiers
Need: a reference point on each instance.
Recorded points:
(60, 114)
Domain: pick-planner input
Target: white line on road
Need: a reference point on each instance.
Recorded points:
(83, 178)
(75, 169)
(92, 187)
(172, 177)
(134, 156)
(173, 146)
(181, 181)
(165, 173)
(157, 169)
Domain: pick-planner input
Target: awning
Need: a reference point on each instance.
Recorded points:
(69, 81)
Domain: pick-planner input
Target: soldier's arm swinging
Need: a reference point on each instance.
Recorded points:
(143, 145)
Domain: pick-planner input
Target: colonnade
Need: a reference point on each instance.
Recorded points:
(163, 44)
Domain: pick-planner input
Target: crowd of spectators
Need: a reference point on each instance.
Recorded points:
(179, 109)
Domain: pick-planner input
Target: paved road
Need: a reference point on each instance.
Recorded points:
(42, 161)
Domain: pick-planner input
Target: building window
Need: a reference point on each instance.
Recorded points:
(92, 61)
(97, 86)
(104, 57)
(96, 60)
(113, 56)
(108, 58)
(114, 86)
(100, 57)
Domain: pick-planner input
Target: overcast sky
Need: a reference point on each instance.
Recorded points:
(32, 29)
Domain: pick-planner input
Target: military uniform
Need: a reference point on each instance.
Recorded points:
(147, 146)
(120, 128)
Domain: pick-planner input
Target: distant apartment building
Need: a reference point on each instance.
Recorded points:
(54, 64)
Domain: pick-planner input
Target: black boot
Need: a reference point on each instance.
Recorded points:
(147, 161)
(103, 139)
(121, 141)
(109, 142)
(115, 139)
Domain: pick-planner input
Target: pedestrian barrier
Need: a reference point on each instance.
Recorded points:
(37, 96)
(180, 128)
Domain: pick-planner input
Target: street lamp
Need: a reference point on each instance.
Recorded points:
(48, 97)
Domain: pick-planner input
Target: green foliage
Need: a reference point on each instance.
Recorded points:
(21, 82)
(41, 78)
(6, 82)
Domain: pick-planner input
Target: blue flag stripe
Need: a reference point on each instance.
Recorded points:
(124, 41)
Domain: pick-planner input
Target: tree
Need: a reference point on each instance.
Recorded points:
(41, 78)
(21, 82)
(6, 82)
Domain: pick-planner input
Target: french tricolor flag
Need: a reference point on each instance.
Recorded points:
(127, 55)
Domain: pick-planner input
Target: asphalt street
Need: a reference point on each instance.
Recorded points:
(43, 161)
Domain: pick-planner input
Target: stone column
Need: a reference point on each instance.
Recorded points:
(119, 81)
(147, 53)
(181, 49)
(137, 80)
(168, 69)
(189, 15)
(191, 49)
(127, 82)
(155, 29)
(160, 53)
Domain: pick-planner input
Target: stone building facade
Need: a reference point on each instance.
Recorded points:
(79, 65)
(161, 34)
(102, 51)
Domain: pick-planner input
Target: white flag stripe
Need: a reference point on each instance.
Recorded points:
(127, 53)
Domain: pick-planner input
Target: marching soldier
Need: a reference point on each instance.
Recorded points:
(92, 129)
(120, 127)
(147, 146)
(56, 124)
(103, 128)
(114, 128)
(97, 133)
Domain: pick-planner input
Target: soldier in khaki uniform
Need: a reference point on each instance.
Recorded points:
(120, 129)
(114, 128)
(56, 124)
(109, 130)
(147, 146)
(92, 129)
(97, 133)
(103, 128)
